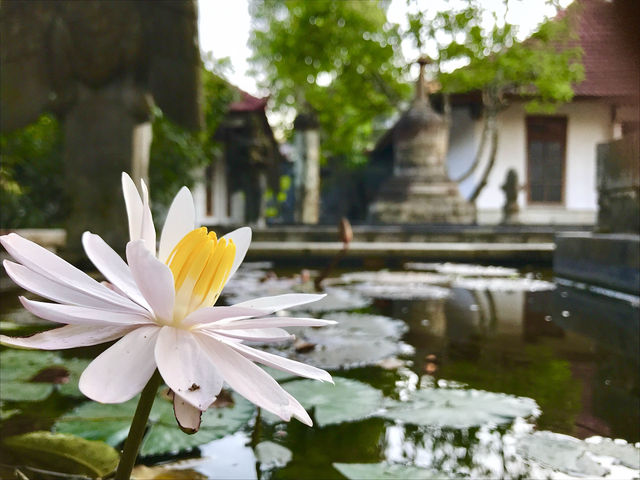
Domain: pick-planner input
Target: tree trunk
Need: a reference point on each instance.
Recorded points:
(492, 112)
(479, 152)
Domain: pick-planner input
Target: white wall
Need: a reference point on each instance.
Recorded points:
(588, 123)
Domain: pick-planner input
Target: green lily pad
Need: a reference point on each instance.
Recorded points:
(64, 453)
(17, 367)
(272, 455)
(569, 455)
(110, 423)
(346, 401)
(165, 436)
(458, 408)
(75, 366)
(25, 392)
(356, 340)
(384, 471)
(6, 413)
(97, 421)
(21, 365)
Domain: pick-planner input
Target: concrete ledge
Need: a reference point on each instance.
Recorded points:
(438, 251)
(608, 260)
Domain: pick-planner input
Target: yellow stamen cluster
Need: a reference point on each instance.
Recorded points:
(200, 264)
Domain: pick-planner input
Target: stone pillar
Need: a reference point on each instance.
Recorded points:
(307, 181)
(106, 133)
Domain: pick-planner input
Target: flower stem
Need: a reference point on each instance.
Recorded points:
(138, 427)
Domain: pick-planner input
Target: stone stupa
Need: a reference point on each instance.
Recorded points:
(420, 190)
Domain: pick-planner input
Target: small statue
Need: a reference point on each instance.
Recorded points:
(510, 187)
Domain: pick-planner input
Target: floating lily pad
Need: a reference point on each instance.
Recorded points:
(384, 471)
(271, 455)
(418, 291)
(17, 367)
(578, 457)
(21, 365)
(383, 277)
(463, 269)
(356, 340)
(75, 366)
(165, 472)
(624, 453)
(504, 284)
(64, 453)
(6, 413)
(346, 401)
(336, 300)
(110, 423)
(165, 437)
(457, 408)
(398, 285)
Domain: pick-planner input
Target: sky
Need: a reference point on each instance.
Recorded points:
(224, 27)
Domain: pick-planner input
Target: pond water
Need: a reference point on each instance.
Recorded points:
(441, 370)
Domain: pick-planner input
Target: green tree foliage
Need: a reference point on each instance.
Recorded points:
(338, 59)
(542, 68)
(32, 190)
(176, 153)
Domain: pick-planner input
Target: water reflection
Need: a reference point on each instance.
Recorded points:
(574, 352)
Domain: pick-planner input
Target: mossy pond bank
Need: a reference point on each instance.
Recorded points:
(441, 371)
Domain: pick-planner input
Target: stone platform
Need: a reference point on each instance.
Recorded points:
(607, 260)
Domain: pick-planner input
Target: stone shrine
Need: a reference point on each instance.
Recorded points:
(420, 190)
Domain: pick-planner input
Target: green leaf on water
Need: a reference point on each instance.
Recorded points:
(384, 471)
(64, 453)
(21, 365)
(346, 401)
(75, 366)
(459, 408)
(110, 423)
(164, 436)
(24, 391)
(97, 421)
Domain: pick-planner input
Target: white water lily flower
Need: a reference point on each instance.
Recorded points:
(161, 307)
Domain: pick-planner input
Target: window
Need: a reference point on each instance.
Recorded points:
(546, 146)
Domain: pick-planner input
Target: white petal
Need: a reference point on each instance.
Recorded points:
(269, 322)
(47, 288)
(47, 264)
(69, 336)
(280, 302)
(282, 363)
(112, 267)
(298, 411)
(181, 220)
(134, 207)
(154, 279)
(148, 231)
(122, 370)
(206, 316)
(188, 416)
(246, 378)
(259, 334)
(78, 315)
(242, 239)
(186, 368)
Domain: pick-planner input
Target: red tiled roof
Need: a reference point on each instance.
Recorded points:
(609, 34)
(248, 103)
